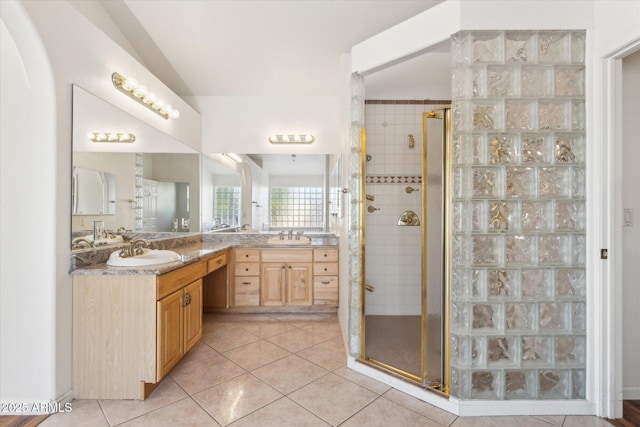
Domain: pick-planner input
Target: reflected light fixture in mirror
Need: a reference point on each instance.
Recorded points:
(111, 137)
(292, 138)
(233, 157)
(131, 88)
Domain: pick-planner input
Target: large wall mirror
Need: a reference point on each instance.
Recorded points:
(149, 185)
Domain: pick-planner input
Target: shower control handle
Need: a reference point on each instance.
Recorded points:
(372, 209)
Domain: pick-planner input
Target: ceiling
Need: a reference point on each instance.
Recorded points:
(267, 48)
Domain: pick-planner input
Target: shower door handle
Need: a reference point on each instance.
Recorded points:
(369, 288)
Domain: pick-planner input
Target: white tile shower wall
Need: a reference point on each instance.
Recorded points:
(392, 263)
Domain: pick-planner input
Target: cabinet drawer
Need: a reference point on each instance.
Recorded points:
(287, 255)
(247, 255)
(247, 291)
(325, 255)
(247, 269)
(325, 268)
(325, 290)
(176, 279)
(216, 262)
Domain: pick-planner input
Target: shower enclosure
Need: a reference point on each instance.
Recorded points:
(404, 325)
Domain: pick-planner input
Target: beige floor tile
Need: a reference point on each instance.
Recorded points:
(327, 329)
(216, 323)
(236, 398)
(333, 398)
(440, 415)
(227, 339)
(363, 380)
(383, 413)
(584, 421)
(183, 413)
(296, 340)
(329, 354)
(198, 352)
(119, 411)
(556, 420)
(519, 421)
(281, 413)
(289, 374)
(84, 413)
(267, 328)
(205, 373)
(256, 354)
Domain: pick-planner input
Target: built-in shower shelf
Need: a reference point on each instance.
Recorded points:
(408, 218)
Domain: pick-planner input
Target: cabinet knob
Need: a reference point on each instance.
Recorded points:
(325, 255)
(289, 266)
(246, 269)
(246, 255)
(325, 269)
(219, 261)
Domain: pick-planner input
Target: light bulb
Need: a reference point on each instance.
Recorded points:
(175, 114)
(130, 84)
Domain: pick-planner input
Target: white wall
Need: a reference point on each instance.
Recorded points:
(631, 235)
(30, 369)
(244, 124)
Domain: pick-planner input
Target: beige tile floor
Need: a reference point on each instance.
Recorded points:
(278, 370)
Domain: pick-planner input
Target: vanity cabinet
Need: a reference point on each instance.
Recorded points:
(286, 277)
(325, 277)
(246, 277)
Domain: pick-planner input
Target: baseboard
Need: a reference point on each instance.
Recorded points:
(478, 407)
(631, 393)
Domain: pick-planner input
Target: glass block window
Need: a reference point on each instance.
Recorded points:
(226, 204)
(297, 207)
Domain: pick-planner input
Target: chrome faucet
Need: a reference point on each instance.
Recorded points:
(245, 226)
(299, 233)
(290, 233)
(281, 235)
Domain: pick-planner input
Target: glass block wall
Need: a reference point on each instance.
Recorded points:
(518, 215)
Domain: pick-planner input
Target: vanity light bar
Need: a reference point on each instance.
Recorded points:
(111, 137)
(292, 139)
(233, 157)
(131, 88)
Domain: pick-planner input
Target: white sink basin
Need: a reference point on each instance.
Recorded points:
(275, 240)
(148, 257)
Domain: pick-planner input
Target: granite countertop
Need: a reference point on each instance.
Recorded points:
(196, 251)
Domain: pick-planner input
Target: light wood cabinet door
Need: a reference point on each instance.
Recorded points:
(299, 284)
(192, 314)
(170, 339)
(272, 283)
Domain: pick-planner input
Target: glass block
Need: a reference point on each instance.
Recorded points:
(487, 46)
(485, 250)
(578, 383)
(520, 46)
(457, 182)
(569, 81)
(535, 149)
(577, 115)
(502, 81)
(578, 183)
(536, 283)
(518, 250)
(502, 216)
(536, 350)
(520, 317)
(553, 115)
(478, 145)
(578, 316)
(519, 115)
(461, 148)
(554, 182)
(535, 216)
(577, 46)
(535, 81)
(458, 82)
(554, 47)
(460, 217)
(460, 251)
(486, 316)
(478, 352)
(459, 317)
(460, 48)
(553, 250)
(460, 114)
(485, 385)
(502, 284)
(569, 148)
(553, 316)
(520, 385)
(554, 384)
(478, 284)
(570, 282)
(486, 116)
(459, 283)
(139, 159)
(478, 82)
(570, 216)
(578, 250)
(502, 351)
(479, 216)
(486, 182)
(520, 182)
(502, 149)
(570, 350)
